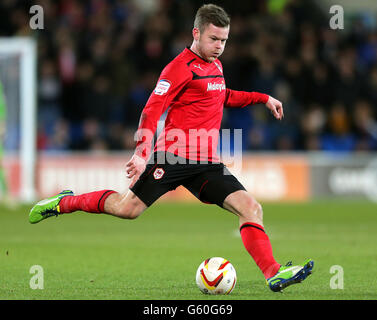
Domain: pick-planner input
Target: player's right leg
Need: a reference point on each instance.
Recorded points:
(153, 183)
(127, 206)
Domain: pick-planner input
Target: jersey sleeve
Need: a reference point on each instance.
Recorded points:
(172, 80)
(239, 99)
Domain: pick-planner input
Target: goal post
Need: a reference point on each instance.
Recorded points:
(18, 67)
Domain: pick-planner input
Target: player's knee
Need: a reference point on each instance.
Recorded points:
(259, 211)
(253, 209)
(130, 210)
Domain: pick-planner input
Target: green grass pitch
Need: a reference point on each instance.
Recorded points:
(91, 256)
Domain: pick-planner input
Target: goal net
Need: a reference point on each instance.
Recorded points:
(18, 117)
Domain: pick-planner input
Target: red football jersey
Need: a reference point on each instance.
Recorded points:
(194, 90)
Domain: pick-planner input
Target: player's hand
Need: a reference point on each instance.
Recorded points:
(276, 107)
(135, 168)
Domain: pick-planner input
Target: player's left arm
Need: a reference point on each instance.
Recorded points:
(276, 107)
(240, 99)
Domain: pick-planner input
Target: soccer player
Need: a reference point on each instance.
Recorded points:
(192, 88)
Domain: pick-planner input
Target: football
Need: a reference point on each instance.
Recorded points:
(216, 276)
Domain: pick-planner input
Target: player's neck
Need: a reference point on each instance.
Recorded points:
(195, 50)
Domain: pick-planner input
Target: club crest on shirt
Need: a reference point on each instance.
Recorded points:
(158, 173)
(162, 87)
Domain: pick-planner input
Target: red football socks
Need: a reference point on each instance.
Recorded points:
(259, 247)
(89, 202)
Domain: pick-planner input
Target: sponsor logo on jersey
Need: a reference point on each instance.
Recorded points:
(162, 87)
(158, 173)
(198, 66)
(215, 86)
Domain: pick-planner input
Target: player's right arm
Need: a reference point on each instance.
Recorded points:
(170, 83)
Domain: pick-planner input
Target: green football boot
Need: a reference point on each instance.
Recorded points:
(48, 207)
(289, 274)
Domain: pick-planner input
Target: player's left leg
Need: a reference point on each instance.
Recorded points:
(253, 235)
(245, 207)
(258, 245)
(217, 185)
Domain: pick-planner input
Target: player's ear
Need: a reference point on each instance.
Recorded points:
(196, 33)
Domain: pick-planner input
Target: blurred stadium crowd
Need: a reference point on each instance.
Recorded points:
(98, 62)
